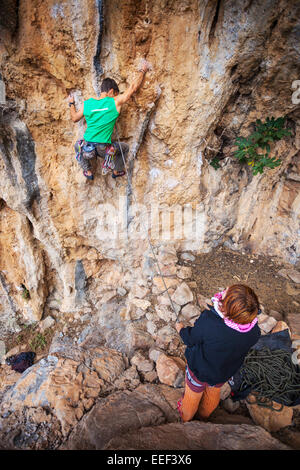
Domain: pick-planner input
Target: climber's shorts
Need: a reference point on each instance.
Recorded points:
(195, 385)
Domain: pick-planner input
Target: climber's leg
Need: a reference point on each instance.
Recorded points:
(83, 157)
(119, 169)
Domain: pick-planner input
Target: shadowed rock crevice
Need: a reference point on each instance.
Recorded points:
(9, 15)
(27, 158)
(96, 59)
(17, 143)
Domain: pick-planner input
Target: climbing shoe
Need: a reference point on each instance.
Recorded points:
(89, 177)
(122, 173)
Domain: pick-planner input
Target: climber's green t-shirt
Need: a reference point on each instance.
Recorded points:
(100, 116)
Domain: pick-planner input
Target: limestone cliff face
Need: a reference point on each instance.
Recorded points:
(217, 66)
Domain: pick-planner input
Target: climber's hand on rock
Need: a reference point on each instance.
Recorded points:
(179, 326)
(70, 98)
(144, 66)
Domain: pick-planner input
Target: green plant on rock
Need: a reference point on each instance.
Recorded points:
(215, 163)
(259, 141)
(25, 292)
(38, 342)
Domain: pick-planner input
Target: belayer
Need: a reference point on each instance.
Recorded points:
(101, 115)
(217, 345)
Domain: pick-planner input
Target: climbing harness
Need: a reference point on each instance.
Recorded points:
(146, 231)
(273, 377)
(90, 149)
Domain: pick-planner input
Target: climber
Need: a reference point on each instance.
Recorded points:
(217, 345)
(100, 115)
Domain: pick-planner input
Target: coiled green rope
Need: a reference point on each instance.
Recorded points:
(272, 375)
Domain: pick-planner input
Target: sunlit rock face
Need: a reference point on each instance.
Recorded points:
(216, 68)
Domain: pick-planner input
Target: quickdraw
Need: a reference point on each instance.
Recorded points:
(109, 163)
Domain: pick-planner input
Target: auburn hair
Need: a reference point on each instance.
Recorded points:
(240, 304)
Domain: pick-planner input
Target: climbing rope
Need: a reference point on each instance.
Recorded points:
(272, 376)
(146, 231)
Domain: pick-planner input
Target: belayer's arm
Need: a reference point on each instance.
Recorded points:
(191, 335)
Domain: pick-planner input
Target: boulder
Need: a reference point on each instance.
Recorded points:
(142, 364)
(164, 299)
(294, 275)
(138, 292)
(183, 294)
(187, 257)
(137, 338)
(167, 259)
(118, 414)
(190, 311)
(292, 289)
(269, 419)
(294, 323)
(140, 303)
(184, 272)
(196, 435)
(121, 291)
(2, 350)
(165, 336)
(154, 353)
(150, 376)
(108, 363)
(160, 285)
(230, 405)
(170, 370)
(128, 380)
(48, 322)
(151, 327)
(165, 313)
(266, 324)
(167, 270)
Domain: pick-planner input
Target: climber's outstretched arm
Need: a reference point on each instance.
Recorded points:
(75, 115)
(121, 99)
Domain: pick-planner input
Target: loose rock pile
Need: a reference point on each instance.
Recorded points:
(130, 340)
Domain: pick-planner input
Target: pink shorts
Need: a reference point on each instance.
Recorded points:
(195, 385)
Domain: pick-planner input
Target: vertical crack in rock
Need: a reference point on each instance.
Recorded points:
(9, 15)
(96, 59)
(214, 22)
(15, 139)
(6, 290)
(5, 148)
(80, 281)
(27, 158)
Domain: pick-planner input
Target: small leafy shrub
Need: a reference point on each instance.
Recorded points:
(248, 147)
(25, 294)
(215, 163)
(38, 342)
